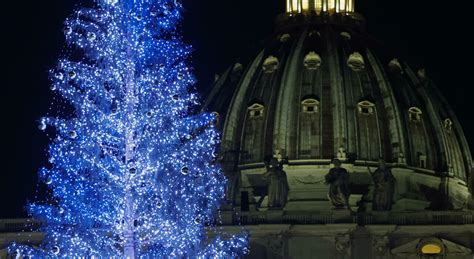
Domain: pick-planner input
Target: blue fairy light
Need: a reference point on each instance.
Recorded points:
(132, 173)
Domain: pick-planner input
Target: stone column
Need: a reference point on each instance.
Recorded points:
(338, 93)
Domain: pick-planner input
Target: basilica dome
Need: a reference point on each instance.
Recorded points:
(322, 88)
(319, 89)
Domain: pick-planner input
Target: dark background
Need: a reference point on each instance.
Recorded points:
(433, 34)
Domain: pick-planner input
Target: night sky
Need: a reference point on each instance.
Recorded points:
(424, 32)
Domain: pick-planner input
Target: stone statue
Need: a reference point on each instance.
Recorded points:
(338, 179)
(229, 161)
(381, 244)
(384, 185)
(471, 189)
(277, 183)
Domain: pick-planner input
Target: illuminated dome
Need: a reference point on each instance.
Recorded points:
(320, 6)
(322, 88)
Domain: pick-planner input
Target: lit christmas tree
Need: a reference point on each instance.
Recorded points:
(132, 171)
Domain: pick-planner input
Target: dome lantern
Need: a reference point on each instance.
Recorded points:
(320, 6)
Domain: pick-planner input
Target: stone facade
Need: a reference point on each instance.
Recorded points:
(341, 240)
(334, 92)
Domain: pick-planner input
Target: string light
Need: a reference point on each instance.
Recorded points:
(132, 173)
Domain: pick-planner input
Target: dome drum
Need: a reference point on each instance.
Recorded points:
(320, 6)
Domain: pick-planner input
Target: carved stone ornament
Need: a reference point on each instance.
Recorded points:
(345, 35)
(448, 125)
(215, 118)
(309, 179)
(314, 33)
(312, 61)
(310, 105)
(422, 74)
(343, 242)
(381, 244)
(415, 114)
(237, 68)
(256, 110)
(366, 107)
(285, 38)
(275, 244)
(356, 62)
(401, 158)
(395, 66)
(270, 65)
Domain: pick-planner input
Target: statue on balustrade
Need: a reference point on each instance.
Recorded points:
(277, 183)
(384, 186)
(338, 180)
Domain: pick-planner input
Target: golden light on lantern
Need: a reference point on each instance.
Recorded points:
(318, 6)
(293, 6)
(342, 6)
(305, 4)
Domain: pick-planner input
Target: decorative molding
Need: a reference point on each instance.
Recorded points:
(448, 125)
(422, 74)
(310, 105)
(343, 243)
(356, 62)
(285, 38)
(309, 179)
(415, 114)
(237, 68)
(256, 110)
(270, 64)
(366, 107)
(345, 35)
(312, 61)
(395, 66)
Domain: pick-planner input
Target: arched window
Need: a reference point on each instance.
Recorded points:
(448, 125)
(270, 65)
(314, 33)
(414, 114)
(422, 160)
(395, 66)
(310, 105)
(366, 107)
(345, 35)
(215, 118)
(285, 37)
(256, 110)
(237, 68)
(312, 61)
(356, 62)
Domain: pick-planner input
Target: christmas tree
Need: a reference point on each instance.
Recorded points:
(132, 170)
